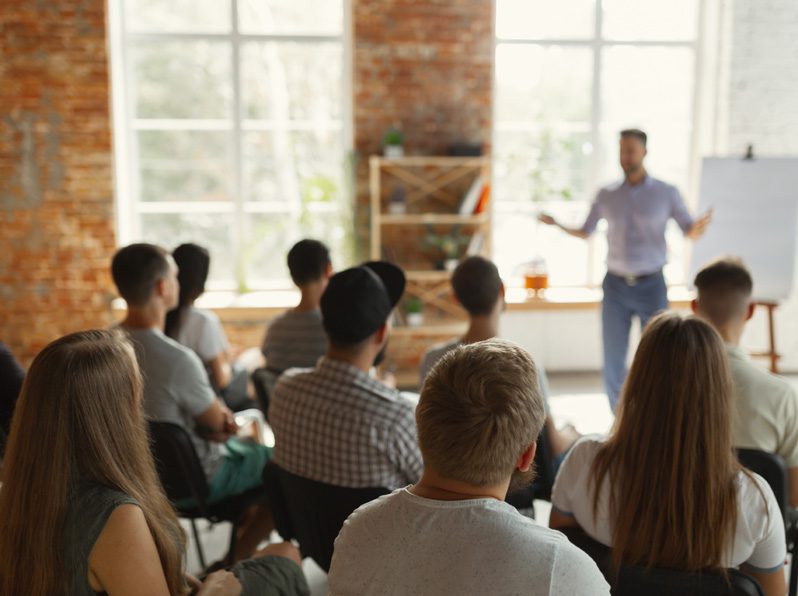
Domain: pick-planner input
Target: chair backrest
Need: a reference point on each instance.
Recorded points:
(772, 468)
(632, 580)
(178, 465)
(636, 580)
(264, 380)
(312, 512)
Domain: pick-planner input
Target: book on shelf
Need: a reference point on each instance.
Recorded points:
(484, 199)
(472, 196)
(475, 244)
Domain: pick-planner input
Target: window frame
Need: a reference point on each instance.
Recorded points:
(129, 207)
(596, 43)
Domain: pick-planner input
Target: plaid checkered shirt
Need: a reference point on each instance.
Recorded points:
(335, 424)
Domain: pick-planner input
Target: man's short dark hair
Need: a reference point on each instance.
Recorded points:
(477, 285)
(308, 261)
(136, 269)
(724, 290)
(635, 133)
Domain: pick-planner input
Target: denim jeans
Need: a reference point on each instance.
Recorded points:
(621, 302)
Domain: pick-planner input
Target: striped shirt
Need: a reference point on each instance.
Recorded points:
(295, 340)
(337, 425)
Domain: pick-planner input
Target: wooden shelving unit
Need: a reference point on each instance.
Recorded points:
(433, 189)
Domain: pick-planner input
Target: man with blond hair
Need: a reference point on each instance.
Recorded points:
(478, 419)
(766, 406)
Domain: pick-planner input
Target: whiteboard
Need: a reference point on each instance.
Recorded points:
(755, 205)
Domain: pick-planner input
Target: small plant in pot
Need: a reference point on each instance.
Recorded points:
(392, 143)
(450, 246)
(414, 309)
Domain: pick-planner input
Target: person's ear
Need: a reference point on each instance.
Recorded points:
(527, 458)
(645, 151)
(694, 305)
(750, 311)
(329, 271)
(160, 287)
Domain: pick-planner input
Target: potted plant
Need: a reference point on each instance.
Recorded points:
(449, 246)
(392, 143)
(414, 308)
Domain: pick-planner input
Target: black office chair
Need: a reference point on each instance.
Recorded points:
(634, 580)
(264, 379)
(312, 512)
(543, 483)
(182, 477)
(773, 469)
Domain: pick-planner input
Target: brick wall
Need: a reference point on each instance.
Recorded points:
(56, 195)
(763, 110)
(763, 94)
(426, 68)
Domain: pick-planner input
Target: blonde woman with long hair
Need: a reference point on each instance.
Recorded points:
(665, 489)
(81, 508)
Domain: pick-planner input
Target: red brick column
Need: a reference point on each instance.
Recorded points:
(56, 184)
(425, 67)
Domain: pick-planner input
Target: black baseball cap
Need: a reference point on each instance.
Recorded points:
(359, 300)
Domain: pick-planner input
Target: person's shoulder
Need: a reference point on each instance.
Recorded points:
(610, 188)
(765, 384)
(661, 185)
(202, 316)
(370, 514)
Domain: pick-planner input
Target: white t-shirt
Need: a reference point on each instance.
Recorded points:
(202, 332)
(759, 537)
(405, 544)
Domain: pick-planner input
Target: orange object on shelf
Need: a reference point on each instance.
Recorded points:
(536, 281)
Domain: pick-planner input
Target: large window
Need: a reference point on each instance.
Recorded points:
(235, 129)
(569, 75)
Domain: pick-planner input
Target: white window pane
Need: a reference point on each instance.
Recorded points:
(180, 165)
(292, 81)
(290, 166)
(181, 79)
(542, 165)
(651, 20)
(265, 249)
(307, 17)
(542, 84)
(209, 16)
(647, 85)
(542, 19)
(518, 238)
(214, 231)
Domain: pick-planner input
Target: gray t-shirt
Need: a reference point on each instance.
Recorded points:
(405, 544)
(295, 340)
(202, 332)
(176, 388)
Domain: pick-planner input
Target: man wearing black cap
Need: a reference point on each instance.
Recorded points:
(334, 423)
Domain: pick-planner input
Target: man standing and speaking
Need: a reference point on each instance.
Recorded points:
(637, 210)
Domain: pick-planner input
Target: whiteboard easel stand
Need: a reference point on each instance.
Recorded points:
(771, 354)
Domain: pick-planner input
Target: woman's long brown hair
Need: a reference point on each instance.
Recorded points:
(669, 459)
(79, 415)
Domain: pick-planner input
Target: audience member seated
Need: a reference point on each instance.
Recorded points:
(81, 510)
(202, 331)
(765, 406)
(665, 488)
(176, 387)
(296, 339)
(479, 416)
(479, 289)
(11, 377)
(334, 423)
